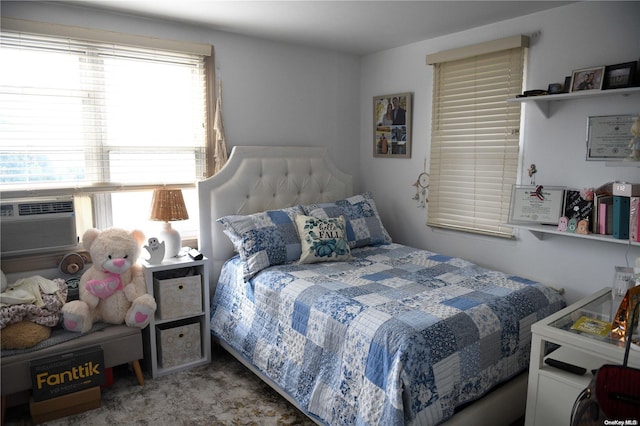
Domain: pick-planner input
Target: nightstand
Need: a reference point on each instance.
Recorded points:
(552, 391)
(178, 336)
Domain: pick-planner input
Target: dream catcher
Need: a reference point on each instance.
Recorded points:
(421, 188)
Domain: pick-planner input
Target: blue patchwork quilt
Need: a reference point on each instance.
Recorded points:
(394, 336)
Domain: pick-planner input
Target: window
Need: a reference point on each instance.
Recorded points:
(101, 119)
(475, 139)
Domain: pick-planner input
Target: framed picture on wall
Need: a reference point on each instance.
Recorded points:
(536, 204)
(587, 79)
(619, 75)
(392, 126)
(608, 137)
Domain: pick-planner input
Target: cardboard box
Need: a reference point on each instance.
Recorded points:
(58, 375)
(178, 297)
(66, 405)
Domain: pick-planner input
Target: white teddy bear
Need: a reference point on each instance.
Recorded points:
(113, 289)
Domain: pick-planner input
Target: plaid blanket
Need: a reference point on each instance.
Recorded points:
(394, 336)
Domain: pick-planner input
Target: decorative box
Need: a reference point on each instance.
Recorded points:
(178, 345)
(178, 297)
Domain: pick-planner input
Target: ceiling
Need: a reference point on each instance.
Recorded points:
(356, 27)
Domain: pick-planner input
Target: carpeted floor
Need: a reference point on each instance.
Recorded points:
(221, 393)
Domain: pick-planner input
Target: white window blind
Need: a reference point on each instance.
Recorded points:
(474, 141)
(84, 114)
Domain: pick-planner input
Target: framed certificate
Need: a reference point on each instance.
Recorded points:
(536, 204)
(608, 137)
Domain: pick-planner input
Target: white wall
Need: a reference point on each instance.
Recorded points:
(278, 94)
(273, 93)
(571, 37)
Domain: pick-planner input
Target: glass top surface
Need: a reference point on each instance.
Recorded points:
(592, 320)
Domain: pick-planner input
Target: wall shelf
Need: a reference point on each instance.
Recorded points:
(543, 102)
(540, 231)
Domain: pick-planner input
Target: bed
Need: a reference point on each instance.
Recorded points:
(366, 331)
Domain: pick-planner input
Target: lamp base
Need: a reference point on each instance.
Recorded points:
(172, 240)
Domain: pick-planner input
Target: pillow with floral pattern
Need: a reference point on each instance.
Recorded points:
(322, 240)
(264, 239)
(364, 227)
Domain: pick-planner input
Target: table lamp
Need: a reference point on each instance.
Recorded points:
(168, 205)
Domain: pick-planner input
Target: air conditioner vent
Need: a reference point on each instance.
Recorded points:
(49, 207)
(37, 225)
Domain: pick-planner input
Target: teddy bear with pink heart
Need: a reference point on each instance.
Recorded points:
(113, 289)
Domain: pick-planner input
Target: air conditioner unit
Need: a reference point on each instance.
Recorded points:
(37, 225)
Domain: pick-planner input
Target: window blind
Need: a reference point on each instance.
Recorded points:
(89, 114)
(475, 141)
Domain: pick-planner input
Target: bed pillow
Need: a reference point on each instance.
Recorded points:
(364, 227)
(264, 239)
(322, 240)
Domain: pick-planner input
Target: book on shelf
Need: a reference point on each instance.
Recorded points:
(578, 208)
(592, 326)
(621, 205)
(634, 219)
(603, 214)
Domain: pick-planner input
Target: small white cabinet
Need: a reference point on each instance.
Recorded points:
(178, 335)
(551, 391)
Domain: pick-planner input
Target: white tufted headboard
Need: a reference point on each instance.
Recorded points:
(255, 179)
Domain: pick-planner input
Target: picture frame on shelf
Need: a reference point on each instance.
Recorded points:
(554, 88)
(620, 75)
(392, 125)
(587, 79)
(577, 207)
(536, 204)
(608, 137)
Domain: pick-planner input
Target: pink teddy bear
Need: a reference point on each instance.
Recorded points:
(113, 290)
